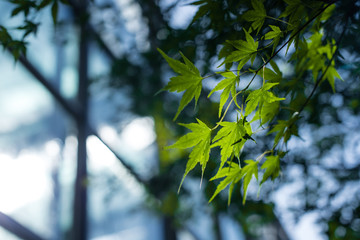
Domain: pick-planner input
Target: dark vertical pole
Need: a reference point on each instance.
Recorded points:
(169, 229)
(80, 202)
(217, 227)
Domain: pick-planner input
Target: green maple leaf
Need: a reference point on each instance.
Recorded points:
(247, 172)
(275, 35)
(259, 97)
(225, 51)
(272, 166)
(330, 76)
(267, 112)
(231, 139)
(270, 75)
(231, 175)
(295, 10)
(285, 129)
(256, 16)
(229, 86)
(246, 50)
(280, 129)
(188, 80)
(199, 138)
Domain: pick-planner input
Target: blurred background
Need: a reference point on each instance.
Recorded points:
(82, 133)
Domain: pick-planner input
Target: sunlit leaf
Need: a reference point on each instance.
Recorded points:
(188, 80)
(231, 139)
(199, 138)
(272, 166)
(256, 16)
(228, 85)
(247, 173)
(231, 175)
(259, 97)
(246, 50)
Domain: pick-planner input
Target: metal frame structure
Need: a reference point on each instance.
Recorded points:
(79, 112)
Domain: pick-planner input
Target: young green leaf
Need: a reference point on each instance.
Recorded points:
(231, 139)
(229, 86)
(231, 175)
(275, 35)
(285, 129)
(272, 166)
(330, 76)
(280, 129)
(188, 80)
(295, 10)
(267, 112)
(256, 16)
(259, 97)
(199, 138)
(246, 50)
(247, 172)
(270, 75)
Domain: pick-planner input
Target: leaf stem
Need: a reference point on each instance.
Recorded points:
(258, 159)
(226, 71)
(279, 20)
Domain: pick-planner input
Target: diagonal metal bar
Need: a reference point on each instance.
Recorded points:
(73, 111)
(17, 229)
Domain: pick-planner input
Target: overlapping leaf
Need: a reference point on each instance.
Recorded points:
(295, 11)
(231, 139)
(231, 175)
(270, 75)
(199, 138)
(330, 76)
(246, 50)
(272, 166)
(267, 112)
(188, 80)
(229, 86)
(256, 16)
(259, 97)
(285, 129)
(247, 172)
(275, 34)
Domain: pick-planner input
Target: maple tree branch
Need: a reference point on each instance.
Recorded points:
(319, 80)
(324, 72)
(268, 61)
